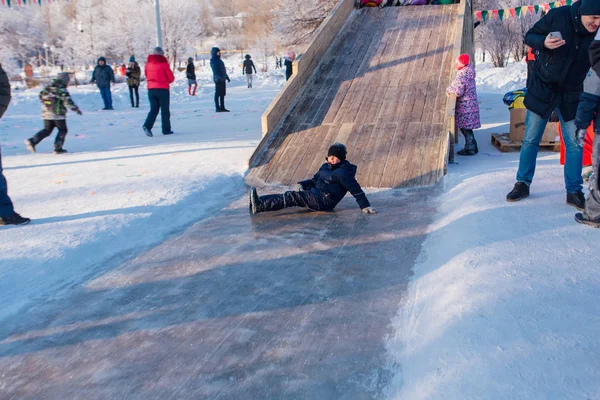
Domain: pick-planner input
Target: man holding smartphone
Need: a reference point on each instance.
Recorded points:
(561, 40)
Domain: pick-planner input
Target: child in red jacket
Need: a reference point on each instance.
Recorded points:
(159, 77)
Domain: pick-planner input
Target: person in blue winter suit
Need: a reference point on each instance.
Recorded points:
(323, 192)
(219, 77)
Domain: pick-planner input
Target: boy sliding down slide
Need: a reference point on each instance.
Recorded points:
(321, 193)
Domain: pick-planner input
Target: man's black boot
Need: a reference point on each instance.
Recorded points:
(576, 200)
(519, 192)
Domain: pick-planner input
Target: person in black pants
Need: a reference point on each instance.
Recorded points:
(159, 77)
(247, 70)
(219, 77)
(321, 193)
(289, 62)
(134, 76)
(55, 100)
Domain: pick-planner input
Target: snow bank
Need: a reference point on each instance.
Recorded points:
(118, 192)
(504, 300)
(501, 80)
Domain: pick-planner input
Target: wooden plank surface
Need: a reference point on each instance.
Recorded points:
(381, 91)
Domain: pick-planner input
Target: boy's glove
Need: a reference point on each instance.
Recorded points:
(369, 210)
(79, 112)
(228, 80)
(305, 185)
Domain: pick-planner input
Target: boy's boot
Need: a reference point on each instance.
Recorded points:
(30, 145)
(194, 91)
(272, 202)
(189, 90)
(14, 219)
(519, 192)
(584, 219)
(470, 145)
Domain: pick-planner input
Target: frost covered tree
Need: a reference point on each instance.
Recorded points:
(298, 20)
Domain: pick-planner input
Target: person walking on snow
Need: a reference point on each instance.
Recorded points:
(556, 84)
(190, 73)
(219, 77)
(321, 193)
(134, 76)
(588, 111)
(103, 75)
(55, 100)
(467, 105)
(289, 62)
(8, 216)
(159, 77)
(247, 70)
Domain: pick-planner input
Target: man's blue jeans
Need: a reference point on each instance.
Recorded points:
(6, 206)
(106, 96)
(534, 130)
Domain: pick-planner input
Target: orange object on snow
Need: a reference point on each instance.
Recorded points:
(587, 146)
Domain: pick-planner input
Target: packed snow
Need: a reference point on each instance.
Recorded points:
(118, 191)
(504, 299)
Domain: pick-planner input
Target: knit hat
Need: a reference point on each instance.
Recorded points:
(462, 61)
(590, 7)
(158, 51)
(338, 150)
(190, 59)
(132, 59)
(63, 76)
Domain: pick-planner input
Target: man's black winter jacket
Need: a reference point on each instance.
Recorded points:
(557, 79)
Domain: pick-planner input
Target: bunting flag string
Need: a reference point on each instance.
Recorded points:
(501, 14)
(30, 3)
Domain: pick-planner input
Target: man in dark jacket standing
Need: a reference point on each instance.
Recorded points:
(219, 77)
(591, 214)
(8, 216)
(289, 65)
(247, 69)
(556, 84)
(321, 193)
(103, 75)
(159, 78)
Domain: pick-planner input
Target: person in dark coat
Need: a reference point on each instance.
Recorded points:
(55, 99)
(103, 75)
(556, 84)
(219, 77)
(134, 77)
(247, 69)
(321, 193)
(8, 216)
(589, 110)
(289, 62)
(190, 73)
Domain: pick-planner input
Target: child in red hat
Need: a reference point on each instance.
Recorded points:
(467, 105)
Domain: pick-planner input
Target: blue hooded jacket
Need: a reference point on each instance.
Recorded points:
(332, 182)
(218, 67)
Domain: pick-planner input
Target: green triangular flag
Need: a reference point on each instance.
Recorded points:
(518, 11)
(8, 3)
(552, 5)
(537, 8)
(500, 14)
(484, 13)
(569, 2)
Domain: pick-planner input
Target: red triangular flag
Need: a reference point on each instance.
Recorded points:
(546, 7)
(20, 3)
(494, 13)
(477, 14)
(563, 2)
(531, 9)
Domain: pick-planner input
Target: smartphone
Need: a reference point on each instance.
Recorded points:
(556, 34)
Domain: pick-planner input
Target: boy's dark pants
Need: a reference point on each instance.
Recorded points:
(49, 125)
(159, 99)
(306, 199)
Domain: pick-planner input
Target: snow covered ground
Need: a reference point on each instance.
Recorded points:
(118, 192)
(504, 300)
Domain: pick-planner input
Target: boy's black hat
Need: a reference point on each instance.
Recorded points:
(338, 150)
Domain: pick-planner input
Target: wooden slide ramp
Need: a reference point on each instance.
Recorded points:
(379, 89)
